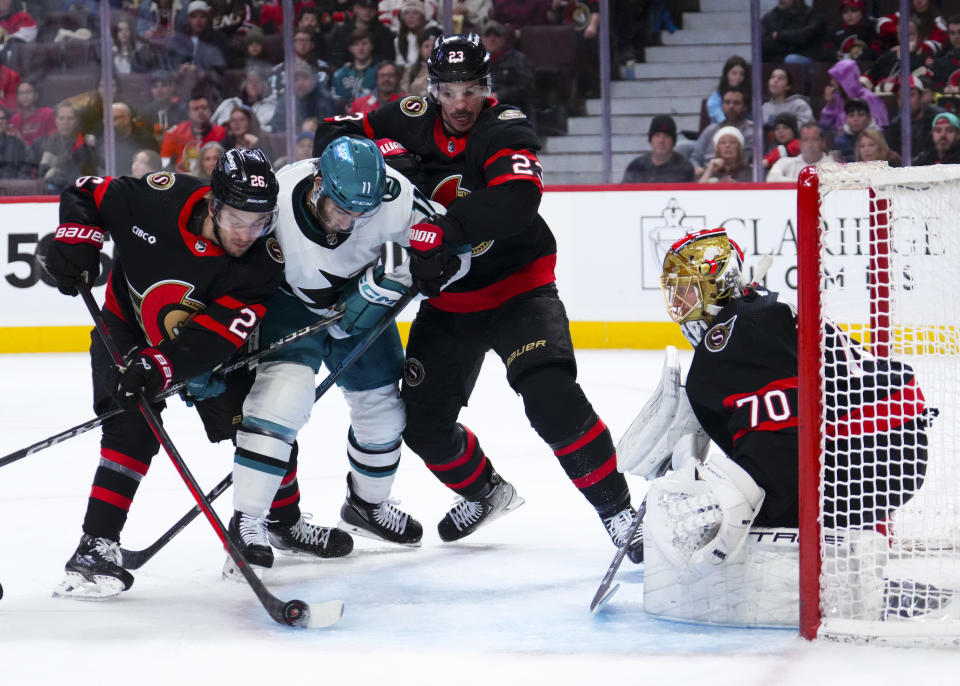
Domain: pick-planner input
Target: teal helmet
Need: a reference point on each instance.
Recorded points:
(353, 175)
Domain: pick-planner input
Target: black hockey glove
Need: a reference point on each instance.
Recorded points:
(433, 255)
(150, 371)
(73, 251)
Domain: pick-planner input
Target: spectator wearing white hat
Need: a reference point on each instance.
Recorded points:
(199, 48)
(729, 163)
(413, 22)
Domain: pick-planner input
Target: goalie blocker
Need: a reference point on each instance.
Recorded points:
(720, 542)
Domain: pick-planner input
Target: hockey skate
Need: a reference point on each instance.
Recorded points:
(466, 516)
(618, 527)
(250, 536)
(384, 522)
(307, 539)
(94, 571)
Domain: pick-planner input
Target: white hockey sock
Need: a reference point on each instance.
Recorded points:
(259, 465)
(372, 468)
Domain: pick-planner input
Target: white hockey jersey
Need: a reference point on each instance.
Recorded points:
(317, 265)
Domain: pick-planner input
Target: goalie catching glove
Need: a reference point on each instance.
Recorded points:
(73, 253)
(699, 516)
(370, 296)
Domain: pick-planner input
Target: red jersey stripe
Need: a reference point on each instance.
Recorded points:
(592, 433)
(115, 499)
(208, 322)
(467, 453)
(598, 474)
(124, 461)
(538, 273)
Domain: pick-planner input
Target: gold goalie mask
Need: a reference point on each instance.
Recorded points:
(701, 272)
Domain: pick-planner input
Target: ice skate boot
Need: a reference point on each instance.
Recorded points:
(466, 516)
(94, 571)
(250, 536)
(307, 539)
(618, 527)
(384, 522)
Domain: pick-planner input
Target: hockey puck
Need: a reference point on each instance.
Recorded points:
(1, 591)
(296, 613)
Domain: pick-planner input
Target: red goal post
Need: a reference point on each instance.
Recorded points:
(879, 258)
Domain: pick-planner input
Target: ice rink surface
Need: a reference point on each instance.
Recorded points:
(509, 605)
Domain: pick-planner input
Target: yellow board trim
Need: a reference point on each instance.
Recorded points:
(586, 335)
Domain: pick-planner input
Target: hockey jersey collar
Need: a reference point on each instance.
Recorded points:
(452, 146)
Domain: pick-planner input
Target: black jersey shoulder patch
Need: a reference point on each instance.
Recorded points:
(161, 181)
(273, 249)
(512, 114)
(413, 106)
(718, 335)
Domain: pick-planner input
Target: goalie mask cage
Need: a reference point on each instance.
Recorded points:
(879, 256)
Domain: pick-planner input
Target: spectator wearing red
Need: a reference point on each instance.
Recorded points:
(15, 23)
(31, 121)
(885, 72)
(786, 139)
(181, 144)
(9, 82)
(945, 70)
(388, 90)
(931, 27)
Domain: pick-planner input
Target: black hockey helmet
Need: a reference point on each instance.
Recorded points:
(460, 57)
(244, 180)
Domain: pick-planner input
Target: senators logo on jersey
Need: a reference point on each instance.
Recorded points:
(164, 309)
(448, 190)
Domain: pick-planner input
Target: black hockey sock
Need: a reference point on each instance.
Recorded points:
(590, 461)
(468, 472)
(285, 508)
(114, 486)
(554, 402)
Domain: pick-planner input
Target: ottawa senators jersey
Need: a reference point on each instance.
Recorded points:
(184, 294)
(513, 248)
(742, 386)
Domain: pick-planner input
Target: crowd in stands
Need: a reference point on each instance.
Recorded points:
(831, 80)
(192, 76)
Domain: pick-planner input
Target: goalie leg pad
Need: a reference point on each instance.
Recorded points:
(277, 407)
(373, 443)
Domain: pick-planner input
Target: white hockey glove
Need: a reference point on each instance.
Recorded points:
(699, 523)
(647, 445)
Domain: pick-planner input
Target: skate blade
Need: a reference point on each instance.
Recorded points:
(358, 531)
(76, 587)
(231, 573)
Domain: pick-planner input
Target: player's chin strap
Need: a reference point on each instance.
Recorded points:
(699, 516)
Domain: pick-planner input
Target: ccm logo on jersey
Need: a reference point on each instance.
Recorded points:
(80, 234)
(140, 233)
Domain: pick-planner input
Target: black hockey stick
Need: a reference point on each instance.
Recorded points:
(233, 366)
(135, 559)
(369, 338)
(292, 612)
(605, 593)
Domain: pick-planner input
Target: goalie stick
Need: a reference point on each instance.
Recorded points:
(605, 593)
(233, 366)
(292, 612)
(133, 559)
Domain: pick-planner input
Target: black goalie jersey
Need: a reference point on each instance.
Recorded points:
(513, 248)
(168, 282)
(742, 386)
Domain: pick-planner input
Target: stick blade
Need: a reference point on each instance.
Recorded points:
(325, 614)
(602, 597)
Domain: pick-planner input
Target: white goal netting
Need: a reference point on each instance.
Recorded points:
(889, 337)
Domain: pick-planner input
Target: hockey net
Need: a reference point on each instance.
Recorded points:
(879, 259)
